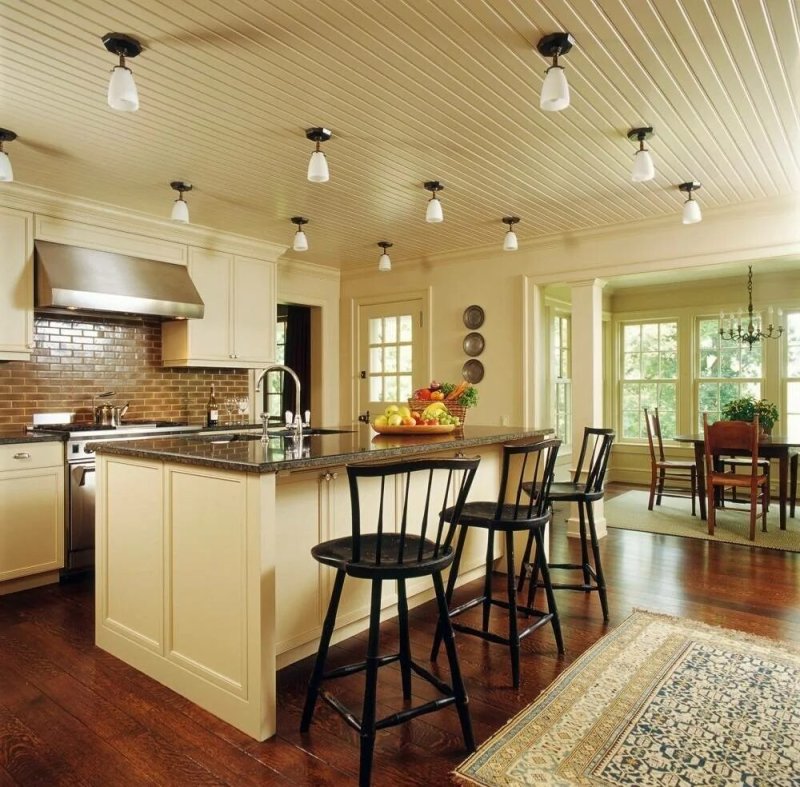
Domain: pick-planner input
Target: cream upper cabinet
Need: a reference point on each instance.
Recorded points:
(238, 328)
(31, 509)
(16, 295)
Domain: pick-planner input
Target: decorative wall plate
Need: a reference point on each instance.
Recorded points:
(472, 371)
(473, 344)
(473, 317)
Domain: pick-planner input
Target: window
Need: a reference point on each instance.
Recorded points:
(390, 358)
(273, 388)
(792, 372)
(728, 369)
(649, 376)
(561, 383)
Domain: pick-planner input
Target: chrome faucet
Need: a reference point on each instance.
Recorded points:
(298, 419)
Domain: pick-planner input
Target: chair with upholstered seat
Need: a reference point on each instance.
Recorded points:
(585, 488)
(724, 438)
(398, 533)
(665, 472)
(531, 466)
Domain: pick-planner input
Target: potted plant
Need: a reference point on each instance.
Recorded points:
(745, 408)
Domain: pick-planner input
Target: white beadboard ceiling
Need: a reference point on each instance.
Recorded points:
(413, 90)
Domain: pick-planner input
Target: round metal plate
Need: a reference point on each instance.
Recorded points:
(473, 344)
(472, 371)
(473, 317)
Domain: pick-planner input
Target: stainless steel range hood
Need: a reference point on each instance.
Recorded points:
(76, 279)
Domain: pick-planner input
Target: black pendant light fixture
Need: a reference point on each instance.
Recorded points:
(300, 242)
(122, 93)
(318, 165)
(691, 209)
(555, 90)
(6, 171)
(180, 208)
(434, 213)
(749, 329)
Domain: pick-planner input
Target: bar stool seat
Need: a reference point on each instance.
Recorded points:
(536, 462)
(396, 500)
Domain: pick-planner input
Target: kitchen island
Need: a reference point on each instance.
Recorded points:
(204, 578)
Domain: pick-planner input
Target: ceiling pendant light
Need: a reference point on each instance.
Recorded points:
(510, 241)
(691, 209)
(318, 165)
(384, 263)
(300, 240)
(555, 90)
(6, 172)
(180, 209)
(753, 330)
(122, 93)
(434, 213)
(643, 168)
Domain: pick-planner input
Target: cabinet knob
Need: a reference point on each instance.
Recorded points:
(22, 455)
(329, 476)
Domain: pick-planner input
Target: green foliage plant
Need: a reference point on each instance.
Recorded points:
(745, 408)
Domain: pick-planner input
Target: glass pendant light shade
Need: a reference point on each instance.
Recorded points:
(510, 241)
(434, 213)
(318, 168)
(691, 212)
(300, 241)
(180, 211)
(122, 94)
(384, 263)
(6, 172)
(643, 168)
(555, 90)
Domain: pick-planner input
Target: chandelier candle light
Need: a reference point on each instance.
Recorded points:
(122, 94)
(753, 331)
(180, 208)
(318, 165)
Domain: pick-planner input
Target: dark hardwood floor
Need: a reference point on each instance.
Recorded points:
(70, 714)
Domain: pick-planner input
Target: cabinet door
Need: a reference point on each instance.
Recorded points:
(210, 337)
(253, 310)
(16, 294)
(31, 521)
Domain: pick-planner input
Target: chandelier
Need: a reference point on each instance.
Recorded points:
(753, 330)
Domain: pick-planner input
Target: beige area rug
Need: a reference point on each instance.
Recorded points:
(674, 518)
(658, 701)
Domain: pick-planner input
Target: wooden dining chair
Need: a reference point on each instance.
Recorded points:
(663, 471)
(725, 438)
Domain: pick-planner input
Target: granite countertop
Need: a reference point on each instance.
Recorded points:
(246, 452)
(18, 434)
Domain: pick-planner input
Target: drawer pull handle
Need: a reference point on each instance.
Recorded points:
(22, 455)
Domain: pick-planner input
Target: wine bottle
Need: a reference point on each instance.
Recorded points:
(212, 411)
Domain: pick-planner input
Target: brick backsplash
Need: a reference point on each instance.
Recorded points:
(75, 359)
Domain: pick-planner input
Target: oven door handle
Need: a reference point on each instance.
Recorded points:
(84, 471)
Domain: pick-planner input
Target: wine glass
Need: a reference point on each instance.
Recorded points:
(243, 403)
(230, 405)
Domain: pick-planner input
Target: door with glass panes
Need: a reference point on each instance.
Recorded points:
(391, 354)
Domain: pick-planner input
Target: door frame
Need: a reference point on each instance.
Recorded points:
(426, 338)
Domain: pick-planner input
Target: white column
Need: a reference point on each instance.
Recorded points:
(587, 376)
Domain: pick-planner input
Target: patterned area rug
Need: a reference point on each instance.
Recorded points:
(674, 518)
(658, 701)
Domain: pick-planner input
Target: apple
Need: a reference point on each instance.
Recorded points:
(392, 409)
(381, 420)
(409, 421)
(394, 420)
(404, 411)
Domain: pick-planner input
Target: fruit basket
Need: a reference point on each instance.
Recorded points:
(456, 397)
(458, 410)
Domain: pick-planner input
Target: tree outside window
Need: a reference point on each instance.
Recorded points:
(649, 376)
(792, 372)
(728, 369)
(561, 382)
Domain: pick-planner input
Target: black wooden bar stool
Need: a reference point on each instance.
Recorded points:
(398, 533)
(531, 466)
(595, 451)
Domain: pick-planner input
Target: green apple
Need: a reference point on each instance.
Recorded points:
(395, 420)
(392, 409)
(403, 411)
(381, 420)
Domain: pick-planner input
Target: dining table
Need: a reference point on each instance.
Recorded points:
(772, 446)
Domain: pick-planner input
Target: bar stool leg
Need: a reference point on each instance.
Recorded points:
(526, 564)
(322, 652)
(459, 692)
(451, 583)
(513, 631)
(598, 566)
(587, 577)
(405, 640)
(541, 560)
(487, 580)
(370, 688)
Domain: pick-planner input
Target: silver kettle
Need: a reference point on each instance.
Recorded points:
(109, 414)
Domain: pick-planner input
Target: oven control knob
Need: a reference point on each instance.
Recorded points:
(88, 450)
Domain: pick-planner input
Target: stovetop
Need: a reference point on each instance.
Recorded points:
(128, 425)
